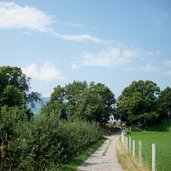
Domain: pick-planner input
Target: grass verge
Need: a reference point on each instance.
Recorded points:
(126, 160)
(80, 158)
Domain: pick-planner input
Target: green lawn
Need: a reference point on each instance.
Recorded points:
(161, 136)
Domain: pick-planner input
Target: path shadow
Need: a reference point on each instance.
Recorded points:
(86, 164)
(111, 130)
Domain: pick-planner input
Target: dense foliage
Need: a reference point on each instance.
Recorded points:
(42, 142)
(164, 102)
(93, 102)
(138, 103)
(14, 89)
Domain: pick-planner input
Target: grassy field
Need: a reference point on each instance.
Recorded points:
(161, 136)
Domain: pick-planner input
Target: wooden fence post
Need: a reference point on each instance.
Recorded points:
(153, 157)
(133, 148)
(140, 152)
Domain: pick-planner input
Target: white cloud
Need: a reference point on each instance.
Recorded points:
(75, 66)
(148, 68)
(168, 63)
(71, 24)
(115, 56)
(77, 38)
(23, 17)
(31, 71)
(13, 16)
(46, 72)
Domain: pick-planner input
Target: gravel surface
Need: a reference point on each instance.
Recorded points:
(104, 159)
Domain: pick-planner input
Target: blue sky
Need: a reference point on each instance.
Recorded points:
(113, 42)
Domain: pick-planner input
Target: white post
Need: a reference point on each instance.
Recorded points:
(140, 152)
(130, 144)
(133, 148)
(153, 157)
(124, 141)
(127, 143)
(130, 128)
(122, 138)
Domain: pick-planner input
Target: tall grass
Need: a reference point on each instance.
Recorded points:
(127, 161)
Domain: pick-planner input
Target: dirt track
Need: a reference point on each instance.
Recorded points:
(104, 159)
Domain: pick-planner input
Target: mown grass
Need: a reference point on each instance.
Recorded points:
(79, 158)
(161, 136)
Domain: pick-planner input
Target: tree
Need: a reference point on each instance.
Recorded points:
(11, 96)
(90, 102)
(106, 101)
(138, 103)
(57, 103)
(164, 102)
(14, 89)
(75, 93)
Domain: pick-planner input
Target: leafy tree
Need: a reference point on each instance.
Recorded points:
(14, 89)
(107, 96)
(91, 107)
(58, 95)
(99, 102)
(90, 102)
(57, 103)
(11, 96)
(74, 96)
(138, 103)
(165, 104)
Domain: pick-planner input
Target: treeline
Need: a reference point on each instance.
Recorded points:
(68, 122)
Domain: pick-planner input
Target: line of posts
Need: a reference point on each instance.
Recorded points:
(129, 145)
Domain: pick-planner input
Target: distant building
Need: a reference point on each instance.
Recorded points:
(114, 121)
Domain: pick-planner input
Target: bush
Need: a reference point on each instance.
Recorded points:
(44, 141)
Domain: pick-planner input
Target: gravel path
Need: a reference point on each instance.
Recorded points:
(104, 159)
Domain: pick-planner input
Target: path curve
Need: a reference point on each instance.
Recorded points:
(104, 159)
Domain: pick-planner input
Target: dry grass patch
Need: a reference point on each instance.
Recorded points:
(127, 161)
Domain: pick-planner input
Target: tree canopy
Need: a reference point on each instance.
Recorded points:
(164, 102)
(14, 88)
(138, 103)
(88, 101)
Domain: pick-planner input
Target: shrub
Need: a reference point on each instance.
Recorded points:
(44, 141)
